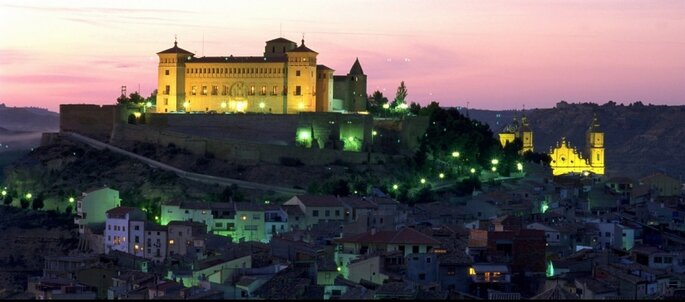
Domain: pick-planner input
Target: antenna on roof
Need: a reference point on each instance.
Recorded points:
(175, 40)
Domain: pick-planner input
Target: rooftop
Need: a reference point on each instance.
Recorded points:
(402, 236)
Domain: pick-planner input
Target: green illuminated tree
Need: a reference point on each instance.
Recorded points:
(400, 96)
(136, 98)
(152, 99)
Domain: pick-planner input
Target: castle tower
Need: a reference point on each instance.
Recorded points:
(278, 47)
(324, 88)
(357, 88)
(595, 146)
(301, 79)
(171, 79)
(509, 133)
(526, 135)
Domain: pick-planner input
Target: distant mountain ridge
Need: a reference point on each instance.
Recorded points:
(28, 119)
(640, 139)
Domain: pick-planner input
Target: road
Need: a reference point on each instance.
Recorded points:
(204, 178)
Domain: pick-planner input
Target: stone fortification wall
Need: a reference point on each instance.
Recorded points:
(399, 135)
(95, 121)
(235, 150)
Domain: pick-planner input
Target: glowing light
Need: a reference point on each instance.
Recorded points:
(442, 175)
(28, 195)
(473, 170)
(495, 161)
(351, 139)
(262, 105)
(71, 199)
(404, 106)
(339, 268)
(148, 104)
(386, 106)
(304, 135)
(472, 271)
(544, 207)
(519, 166)
(423, 180)
(550, 270)
(586, 173)
(494, 169)
(136, 114)
(186, 104)
(171, 241)
(301, 106)
(3, 193)
(223, 105)
(156, 218)
(244, 217)
(240, 106)
(456, 154)
(395, 187)
(267, 202)
(374, 133)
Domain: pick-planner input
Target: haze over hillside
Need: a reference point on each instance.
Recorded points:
(640, 139)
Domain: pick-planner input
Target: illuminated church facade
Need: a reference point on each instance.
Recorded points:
(567, 159)
(518, 130)
(286, 79)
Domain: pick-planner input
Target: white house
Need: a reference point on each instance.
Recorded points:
(117, 228)
(92, 205)
(552, 235)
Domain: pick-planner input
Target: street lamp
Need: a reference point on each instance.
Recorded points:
(473, 170)
(71, 199)
(395, 187)
(3, 193)
(495, 161)
(261, 106)
(28, 196)
(386, 106)
(519, 167)
(223, 105)
(423, 180)
(494, 169)
(441, 175)
(186, 105)
(456, 154)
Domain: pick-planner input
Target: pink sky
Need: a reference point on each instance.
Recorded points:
(493, 54)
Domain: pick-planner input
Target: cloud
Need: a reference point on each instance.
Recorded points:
(47, 79)
(100, 10)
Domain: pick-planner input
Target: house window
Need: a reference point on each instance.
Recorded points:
(136, 239)
(607, 234)
(256, 217)
(166, 72)
(337, 213)
(315, 213)
(328, 213)
(136, 227)
(298, 90)
(297, 73)
(415, 249)
(428, 259)
(422, 276)
(218, 225)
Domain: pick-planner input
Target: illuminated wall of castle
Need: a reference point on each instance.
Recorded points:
(568, 160)
(285, 80)
(516, 130)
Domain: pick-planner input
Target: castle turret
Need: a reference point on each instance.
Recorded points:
(357, 88)
(301, 80)
(278, 47)
(324, 88)
(171, 79)
(595, 146)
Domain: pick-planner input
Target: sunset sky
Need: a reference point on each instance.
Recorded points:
(492, 54)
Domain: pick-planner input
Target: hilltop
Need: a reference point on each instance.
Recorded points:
(640, 139)
(28, 119)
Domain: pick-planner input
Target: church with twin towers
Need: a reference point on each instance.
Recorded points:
(286, 79)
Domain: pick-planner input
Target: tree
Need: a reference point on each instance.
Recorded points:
(68, 210)
(152, 99)
(136, 98)
(24, 203)
(400, 96)
(123, 99)
(8, 200)
(38, 203)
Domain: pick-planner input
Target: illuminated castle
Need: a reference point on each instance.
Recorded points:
(286, 79)
(521, 131)
(566, 159)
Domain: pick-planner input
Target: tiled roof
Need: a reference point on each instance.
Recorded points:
(358, 203)
(402, 236)
(234, 59)
(249, 206)
(323, 67)
(555, 293)
(302, 48)
(356, 68)
(176, 49)
(280, 40)
(120, 212)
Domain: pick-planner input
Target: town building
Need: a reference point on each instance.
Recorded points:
(567, 159)
(92, 205)
(516, 130)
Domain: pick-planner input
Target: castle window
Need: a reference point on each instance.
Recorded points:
(283, 48)
(166, 102)
(166, 72)
(215, 90)
(298, 90)
(273, 49)
(297, 73)
(252, 90)
(167, 89)
(192, 91)
(204, 90)
(275, 90)
(263, 90)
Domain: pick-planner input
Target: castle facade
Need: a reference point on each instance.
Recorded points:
(286, 79)
(521, 131)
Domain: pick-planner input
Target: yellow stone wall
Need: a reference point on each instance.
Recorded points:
(527, 139)
(235, 87)
(506, 137)
(305, 63)
(170, 74)
(566, 160)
